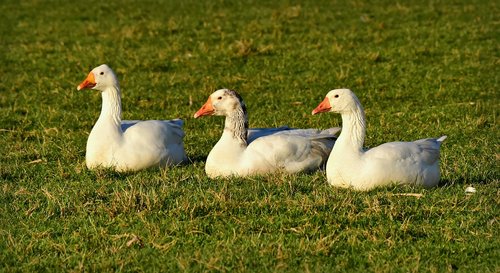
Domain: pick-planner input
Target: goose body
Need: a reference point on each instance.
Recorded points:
(128, 145)
(350, 166)
(242, 152)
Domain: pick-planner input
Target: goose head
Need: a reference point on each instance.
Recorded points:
(99, 78)
(338, 101)
(223, 102)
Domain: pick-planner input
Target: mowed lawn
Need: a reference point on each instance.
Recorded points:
(420, 68)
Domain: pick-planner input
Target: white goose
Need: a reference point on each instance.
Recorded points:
(128, 145)
(270, 149)
(394, 162)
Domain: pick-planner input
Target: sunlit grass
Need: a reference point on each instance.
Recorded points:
(420, 69)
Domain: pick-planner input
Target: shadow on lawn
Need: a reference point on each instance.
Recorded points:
(196, 160)
(465, 181)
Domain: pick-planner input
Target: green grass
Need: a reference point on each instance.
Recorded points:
(420, 68)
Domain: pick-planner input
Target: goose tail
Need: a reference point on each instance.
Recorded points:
(441, 139)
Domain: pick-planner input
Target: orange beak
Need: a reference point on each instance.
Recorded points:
(206, 109)
(88, 83)
(324, 106)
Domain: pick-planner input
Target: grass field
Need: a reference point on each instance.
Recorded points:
(420, 68)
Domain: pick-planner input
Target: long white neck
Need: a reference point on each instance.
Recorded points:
(111, 111)
(353, 129)
(106, 135)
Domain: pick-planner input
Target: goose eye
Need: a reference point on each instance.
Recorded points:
(336, 96)
(219, 98)
(102, 73)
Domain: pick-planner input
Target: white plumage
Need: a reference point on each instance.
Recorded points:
(128, 145)
(349, 165)
(242, 152)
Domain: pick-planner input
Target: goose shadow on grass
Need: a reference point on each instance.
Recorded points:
(466, 181)
(195, 160)
(111, 173)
